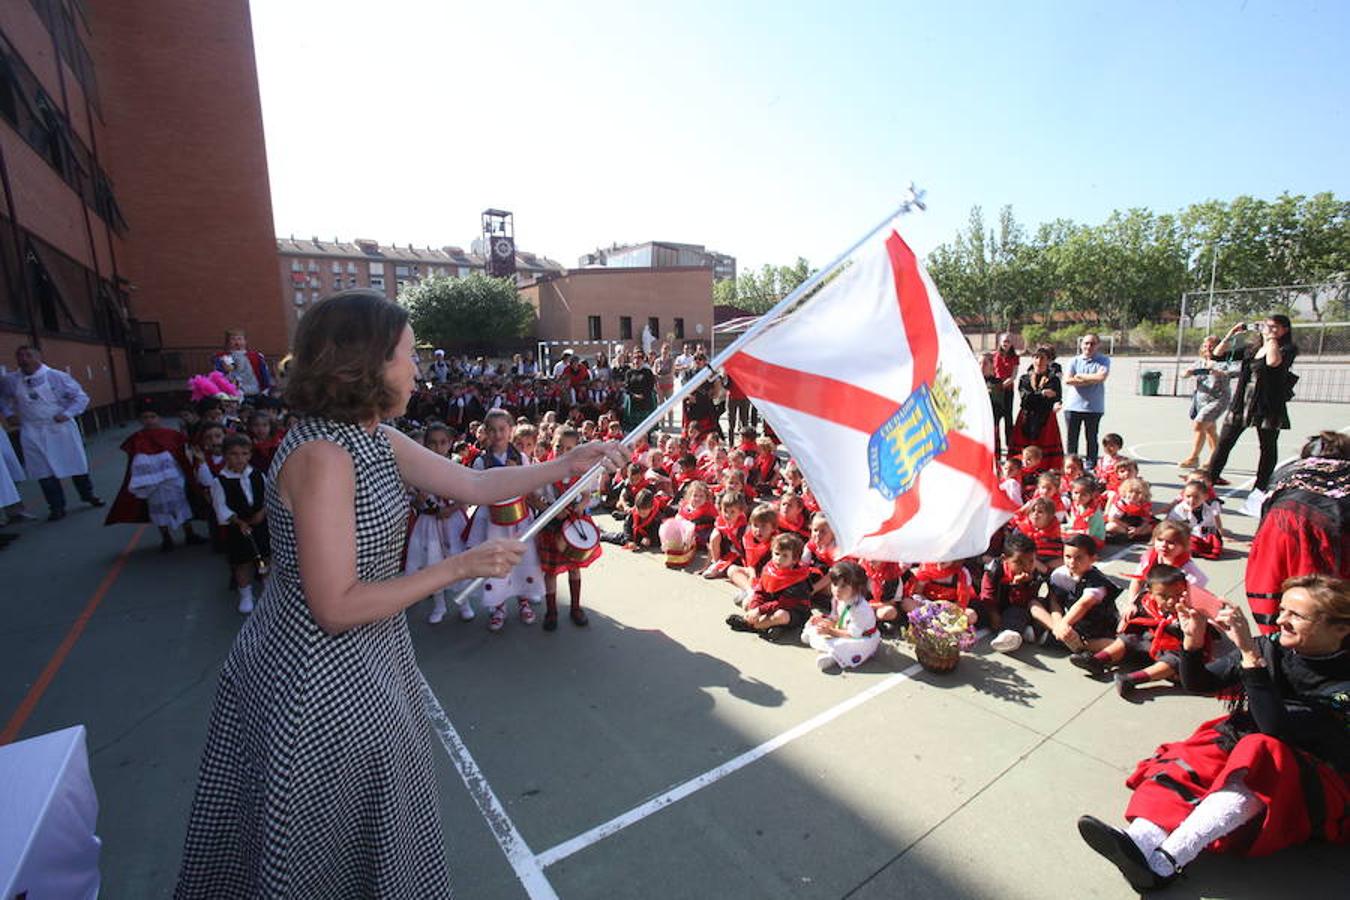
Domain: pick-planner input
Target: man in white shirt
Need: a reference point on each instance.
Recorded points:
(561, 365)
(43, 403)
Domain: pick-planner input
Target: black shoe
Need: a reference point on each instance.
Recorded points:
(1087, 661)
(166, 545)
(1124, 685)
(56, 515)
(193, 538)
(1123, 853)
(738, 623)
(578, 617)
(774, 634)
(551, 620)
(92, 500)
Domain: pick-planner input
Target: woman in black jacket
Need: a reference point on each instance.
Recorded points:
(1275, 771)
(1260, 396)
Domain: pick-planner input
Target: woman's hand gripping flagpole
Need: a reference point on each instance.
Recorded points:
(913, 200)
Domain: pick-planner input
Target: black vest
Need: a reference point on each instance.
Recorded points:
(234, 494)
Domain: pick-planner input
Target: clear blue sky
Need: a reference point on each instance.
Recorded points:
(771, 130)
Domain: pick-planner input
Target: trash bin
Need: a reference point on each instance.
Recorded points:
(1149, 382)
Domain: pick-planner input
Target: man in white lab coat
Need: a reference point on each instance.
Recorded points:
(43, 403)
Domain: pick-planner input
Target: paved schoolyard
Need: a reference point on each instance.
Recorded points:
(655, 753)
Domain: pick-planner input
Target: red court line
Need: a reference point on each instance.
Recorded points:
(30, 700)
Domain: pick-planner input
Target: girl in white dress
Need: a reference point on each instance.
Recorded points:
(433, 520)
(848, 636)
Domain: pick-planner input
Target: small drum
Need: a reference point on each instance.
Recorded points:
(579, 540)
(678, 559)
(509, 512)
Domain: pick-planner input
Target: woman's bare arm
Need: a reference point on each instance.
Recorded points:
(317, 483)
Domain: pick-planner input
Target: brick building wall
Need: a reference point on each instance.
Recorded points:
(185, 142)
(679, 298)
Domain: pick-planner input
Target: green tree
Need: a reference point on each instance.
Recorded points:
(756, 292)
(479, 310)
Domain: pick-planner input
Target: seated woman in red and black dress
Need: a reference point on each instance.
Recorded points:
(1273, 773)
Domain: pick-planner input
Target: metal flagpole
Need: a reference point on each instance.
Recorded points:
(914, 200)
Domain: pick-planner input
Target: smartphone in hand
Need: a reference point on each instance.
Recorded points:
(1203, 601)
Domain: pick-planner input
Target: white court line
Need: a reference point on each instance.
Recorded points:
(518, 853)
(680, 791)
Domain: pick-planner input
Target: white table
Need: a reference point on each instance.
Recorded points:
(48, 810)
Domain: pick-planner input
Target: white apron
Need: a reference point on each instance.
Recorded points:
(50, 449)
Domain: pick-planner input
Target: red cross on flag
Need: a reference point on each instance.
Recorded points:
(879, 399)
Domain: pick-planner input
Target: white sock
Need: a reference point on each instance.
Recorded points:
(1147, 836)
(246, 593)
(1221, 813)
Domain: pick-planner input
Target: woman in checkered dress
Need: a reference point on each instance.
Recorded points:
(317, 776)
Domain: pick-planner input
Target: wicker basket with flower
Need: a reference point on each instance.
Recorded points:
(939, 631)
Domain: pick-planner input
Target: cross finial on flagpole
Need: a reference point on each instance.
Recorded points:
(914, 197)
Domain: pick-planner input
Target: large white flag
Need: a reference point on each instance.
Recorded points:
(878, 397)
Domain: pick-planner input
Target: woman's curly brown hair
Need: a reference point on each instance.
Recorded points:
(340, 351)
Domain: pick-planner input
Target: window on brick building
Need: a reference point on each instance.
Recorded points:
(313, 266)
(625, 328)
(402, 271)
(593, 328)
(351, 268)
(299, 298)
(63, 290)
(377, 282)
(12, 306)
(679, 328)
(337, 267)
(295, 265)
(465, 271)
(654, 326)
(377, 268)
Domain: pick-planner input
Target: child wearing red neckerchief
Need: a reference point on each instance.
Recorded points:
(1042, 527)
(792, 516)
(687, 532)
(1106, 463)
(1007, 590)
(885, 587)
(822, 552)
(1033, 464)
(780, 600)
(1203, 516)
(726, 543)
(746, 444)
(1011, 485)
(642, 523)
(948, 581)
(1171, 545)
(1085, 514)
(1151, 628)
(755, 543)
(1129, 514)
(763, 475)
(1047, 486)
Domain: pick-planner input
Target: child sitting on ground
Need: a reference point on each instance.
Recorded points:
(625, 492)
(239, 499)
(949, 581)
(779, 604)
(1073, 468)
(822, 552)
(1171, 545)
(1047, 486)
(1129, 515)
(792, 515)
(1009, 586)
(1042, 527)
(725, 543)
(1203, 515)
(763, 475)
(847, 636)
(1085, 514)
(755, 544)
(687, 532)
(1033, 464)
(642, 523)
(1112, 444)
(886, 591)
(1151, 629)
(1080, 606)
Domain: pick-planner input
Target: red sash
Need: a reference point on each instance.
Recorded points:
(823, 559)
(799, 527)
(756, 552)
(774, 580)
(731, 532)
(641, 522)
(703, 515)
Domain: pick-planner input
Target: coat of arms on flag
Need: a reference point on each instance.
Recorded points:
(897, 448)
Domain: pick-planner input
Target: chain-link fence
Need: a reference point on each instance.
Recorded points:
(1320, 314)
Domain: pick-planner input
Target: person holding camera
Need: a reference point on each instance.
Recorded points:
(1210, 400)
(1261, 395)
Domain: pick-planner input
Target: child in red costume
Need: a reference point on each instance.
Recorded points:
(764, 475)
(949, 581)
(755, 543)
(726, 546)
(1042, 527)
(154, 488)
(688, 531)
(780, 600)
(1203, 515)
(1129, 515)
(557, 554)
(1150, 628)
(822, 552)
(792, 516)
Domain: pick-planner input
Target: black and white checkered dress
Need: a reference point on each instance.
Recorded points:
(317, 778)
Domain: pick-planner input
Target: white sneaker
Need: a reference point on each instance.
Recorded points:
(1028, 634)
(825, 662)
(1006, 641)
(741, 597)
(466, 612)
(497, 619)
(437, 613)
(246, 603)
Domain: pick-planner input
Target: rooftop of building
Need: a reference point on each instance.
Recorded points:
(362, 248)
